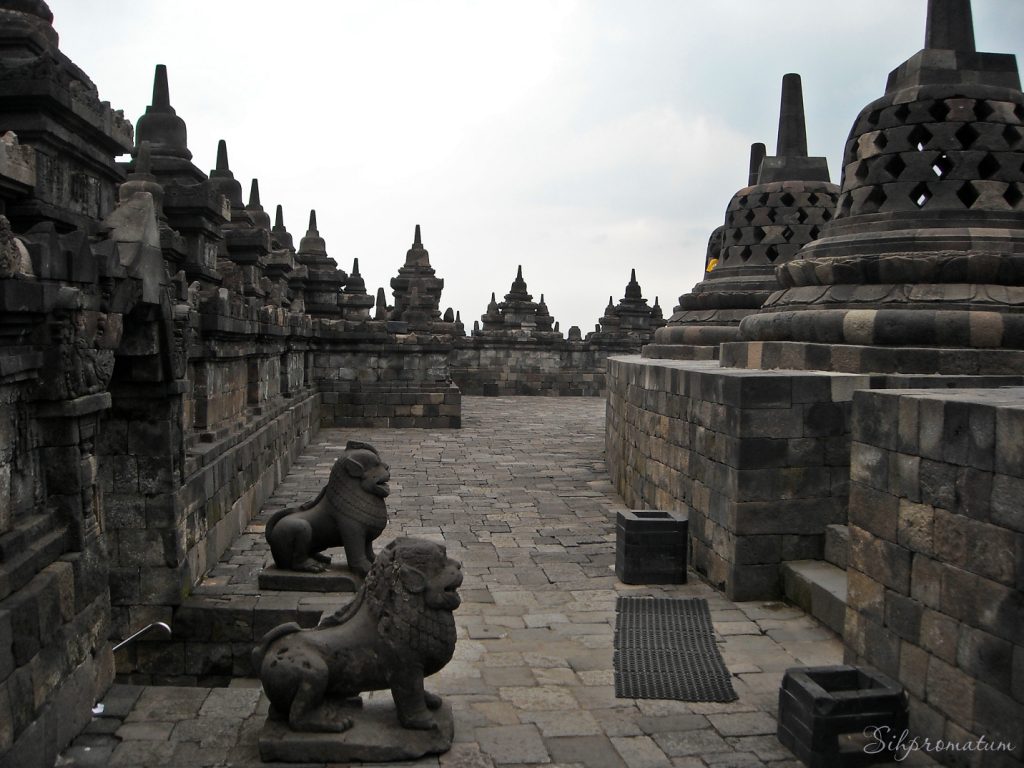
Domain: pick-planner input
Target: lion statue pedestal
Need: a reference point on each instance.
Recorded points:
(397, 630)
(348, 512)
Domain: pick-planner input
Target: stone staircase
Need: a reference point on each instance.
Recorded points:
(819, 586)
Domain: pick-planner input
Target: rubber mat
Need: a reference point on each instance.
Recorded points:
(665, 649)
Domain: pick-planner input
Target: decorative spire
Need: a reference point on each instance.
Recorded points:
(162, 127)
(161, 92)
(222, 156)
(757, 155)
(312, 223)
(792, 127)
(355, 282)
(633, 291)
(280, 235)
(417, 256)
(382, 306)
(950, 26)
(254, 194)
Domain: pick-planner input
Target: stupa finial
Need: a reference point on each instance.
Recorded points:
(312, 221)
(254, 194)
(222, 156)
(950, 25)
(792, 127)
(161, 91)
(279, 218)
(416, 238)
(757, 155)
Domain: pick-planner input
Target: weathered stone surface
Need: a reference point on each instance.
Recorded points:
(375, 737)
(334, 578)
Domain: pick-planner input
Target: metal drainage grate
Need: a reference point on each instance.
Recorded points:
(665, 649)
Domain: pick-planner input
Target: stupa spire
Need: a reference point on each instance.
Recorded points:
(792, 127)
(757, 155)
(279, 218)
(161, 91)
(254, 194)
(222, 156)
(312, 221)
(950, 26)
(416, 238)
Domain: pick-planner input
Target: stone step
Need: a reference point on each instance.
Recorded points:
(213, 636)
(35, 549)
(819, 588)
(837, 541)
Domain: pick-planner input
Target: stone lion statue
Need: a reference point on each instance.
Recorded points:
(397, 630)
(349, 513)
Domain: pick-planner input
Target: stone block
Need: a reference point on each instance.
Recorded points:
(985, 657)
(926, 581)
(987, 550)
(938, 484)
(869, 465)
(865, 595)
(881, 559)
(903, 615)
(908, 429)
(913, 668)
(999, 717)
(956, 433)
(974, 493)
(375, 736)
(337, 578)
(950, 690)
(825, 419)
(939, 634)
(875, 511)
(1009, 450)
(915, 527)
(1006, 508)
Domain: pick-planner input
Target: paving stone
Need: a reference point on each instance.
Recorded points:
(640, 752)
(513, 744)
(592, 751)
(743, 723)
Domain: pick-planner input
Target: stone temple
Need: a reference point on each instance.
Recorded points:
(836, 410)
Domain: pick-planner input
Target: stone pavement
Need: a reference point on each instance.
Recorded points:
(520, 495)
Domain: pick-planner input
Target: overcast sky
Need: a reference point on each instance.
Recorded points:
(578, 138)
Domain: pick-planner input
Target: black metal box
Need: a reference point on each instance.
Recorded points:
(819, 704)
(650, 547)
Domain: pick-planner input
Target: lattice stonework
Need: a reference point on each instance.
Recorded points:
(936, 154)
(774, 221)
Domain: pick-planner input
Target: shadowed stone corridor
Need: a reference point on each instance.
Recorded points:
(520, 495)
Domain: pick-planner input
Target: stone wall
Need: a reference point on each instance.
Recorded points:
(396, 381)
(502, 368)
(759, 459)
(936, 561)
(54, 603)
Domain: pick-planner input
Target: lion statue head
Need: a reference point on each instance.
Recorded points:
(412, 590)
(361, 465)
